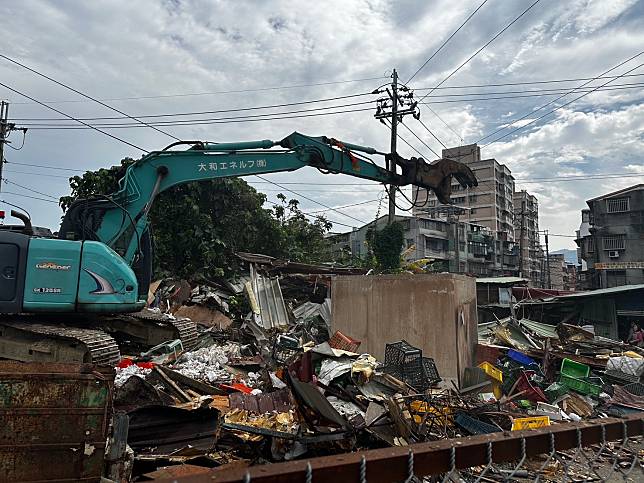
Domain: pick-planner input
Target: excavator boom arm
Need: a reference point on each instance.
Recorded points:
(124, 217)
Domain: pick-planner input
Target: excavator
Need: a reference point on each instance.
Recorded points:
(60, 296)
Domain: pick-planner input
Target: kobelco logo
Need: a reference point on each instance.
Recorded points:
(52, 266)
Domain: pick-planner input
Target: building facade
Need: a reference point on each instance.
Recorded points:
(556, 271)
(526, 235)
(611, 239)
(490, 204)
(454, 245)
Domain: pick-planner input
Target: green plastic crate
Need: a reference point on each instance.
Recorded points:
(555, 390)
(574, 369)
(580, 385)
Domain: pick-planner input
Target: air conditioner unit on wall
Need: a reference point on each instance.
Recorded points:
(613, 254)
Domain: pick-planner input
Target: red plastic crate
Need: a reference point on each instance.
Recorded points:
(532, 393)
(344, 342)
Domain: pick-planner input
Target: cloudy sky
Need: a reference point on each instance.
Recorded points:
(177, 56)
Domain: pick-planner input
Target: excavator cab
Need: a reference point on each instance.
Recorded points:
(43, 274)
(14, 244)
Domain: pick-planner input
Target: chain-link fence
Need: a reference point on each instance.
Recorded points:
(603, 450)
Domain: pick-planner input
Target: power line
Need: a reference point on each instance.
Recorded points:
(37, 174)
(309, 199)
(233, 121)
(237, 91)
(343, 206)
(444, 122)
(559, 107)
(563, 95)
(537, 91)
(446, 41)
(44, 166)
(424, 156)
(73, 118)
(483, 47)
(433, 135)
(85, 95)
(28, 189)
(197, 113)
(552, 81)
(28, 196)
(422, 142)
(514, 96)
(178, 122)
(372, 185)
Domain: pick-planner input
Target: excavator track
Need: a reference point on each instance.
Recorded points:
(185, 328)
(34, 341)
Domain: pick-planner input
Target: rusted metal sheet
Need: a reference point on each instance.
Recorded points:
(432, 458)
(280, 401)
(161, 430)
(54, 421)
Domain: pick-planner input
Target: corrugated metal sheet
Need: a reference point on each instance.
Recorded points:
(272, 309)
(311, 309)
(543, 330)
(602, 292)
(502, 280)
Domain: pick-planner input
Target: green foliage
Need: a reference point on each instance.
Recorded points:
(198, 226)
(387, 245)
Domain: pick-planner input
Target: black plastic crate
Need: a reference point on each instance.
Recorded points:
(619, 377)
(474, 426)
(401, 353)
(430, 371)
(635, 388)
(285, 349)
(418, 371)
(404, 361)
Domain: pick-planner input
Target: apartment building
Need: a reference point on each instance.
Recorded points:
(556, 271)
(526, 235)
(490, 204)
(455, 246)
(611, 239)
(570, 277)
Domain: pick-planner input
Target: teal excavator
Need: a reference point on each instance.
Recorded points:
(59, 296)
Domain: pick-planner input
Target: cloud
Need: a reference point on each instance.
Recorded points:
(150, 48)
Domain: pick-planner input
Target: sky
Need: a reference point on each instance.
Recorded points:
(177, 56)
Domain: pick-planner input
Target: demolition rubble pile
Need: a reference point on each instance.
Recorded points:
(278, 384)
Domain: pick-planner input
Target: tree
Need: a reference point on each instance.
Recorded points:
(198, 226)
(387, 245)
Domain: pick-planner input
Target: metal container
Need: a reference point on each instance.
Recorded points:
(54, 421)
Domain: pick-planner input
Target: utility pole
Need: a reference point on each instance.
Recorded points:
(4, 129)
(521, 242)
(548, 260)
(394, 137)
(397, 103)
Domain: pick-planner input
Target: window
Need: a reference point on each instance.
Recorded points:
(473, 211)
(431, 225)
(472, 198)
(616, 242)
(591, 245)
(431, 203)
(461, 246)
(458, 199)
(435, 244)
(617, 205)
(410, 242)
